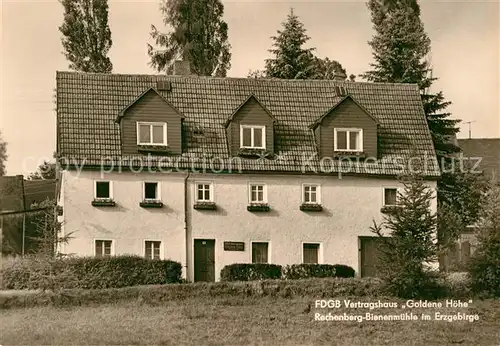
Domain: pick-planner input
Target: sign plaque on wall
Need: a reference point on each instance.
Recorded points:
(234, 246)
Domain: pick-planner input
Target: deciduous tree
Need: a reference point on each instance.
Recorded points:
(47, 170)
(3, 155)
(328, 69)
(86, 35)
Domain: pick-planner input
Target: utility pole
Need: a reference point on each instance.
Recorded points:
(24, 213)
(469, 123)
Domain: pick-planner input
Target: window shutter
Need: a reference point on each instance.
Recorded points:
(98, 248)
(148, 250)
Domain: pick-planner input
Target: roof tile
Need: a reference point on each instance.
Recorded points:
(88, 104)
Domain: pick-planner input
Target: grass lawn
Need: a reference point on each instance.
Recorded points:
(237, 320)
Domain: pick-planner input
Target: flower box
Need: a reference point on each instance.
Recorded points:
(153, 148)
(151, 204)
(349, 154)
(390, 209)
(311, 207)
(103, 202)
(260, 207)
(205, 206)
(255, 153)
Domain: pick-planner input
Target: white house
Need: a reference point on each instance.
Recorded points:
(213, 171)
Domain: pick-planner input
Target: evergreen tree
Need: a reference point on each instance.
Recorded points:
(409, 243)
(198, 35)
(3, 155)
(290, 59)
(400, 48)
(484, 268)
(86, 35)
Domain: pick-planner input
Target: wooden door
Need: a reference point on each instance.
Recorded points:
(370, 255)
(204, 260)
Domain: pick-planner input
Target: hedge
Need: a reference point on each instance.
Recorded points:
(260, 271)
(250, 272)
(304, 271)
(89, 272)
(160, 294)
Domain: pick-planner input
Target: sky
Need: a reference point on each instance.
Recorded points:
(465, 56)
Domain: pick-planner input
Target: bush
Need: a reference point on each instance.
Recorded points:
(303, 271)
(250, 271)
(89, 272)
(457, 285)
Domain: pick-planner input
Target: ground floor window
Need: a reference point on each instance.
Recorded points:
(260, 252)
(152, 249)
(310, 253)
(103, 248)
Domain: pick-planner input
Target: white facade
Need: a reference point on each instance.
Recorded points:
(349, 205)
(127, 224)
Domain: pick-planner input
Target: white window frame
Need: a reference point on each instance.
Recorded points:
(211, 191)
(320, 250)
(110, 188)
(348, 135)
(113, 241)
(383, 195)
(139, 123)
(158, 191)
(252, 127)
(264, 193)
(153, 240)
(318, 193)
(269, 252)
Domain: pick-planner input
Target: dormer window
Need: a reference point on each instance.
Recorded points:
(252, 137)
(348, 139)
(149, 133)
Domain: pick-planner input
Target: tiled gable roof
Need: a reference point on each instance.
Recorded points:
(252, 96)
(488, 149)
(320, 119)
(88, 104)
(11, 193)
(122, 112)
(17, 194)
(37, 191)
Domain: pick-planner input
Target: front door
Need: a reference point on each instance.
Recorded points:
(370, 255)
(204, 260)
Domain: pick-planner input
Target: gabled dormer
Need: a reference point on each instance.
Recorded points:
(250, 129)
(150, 124)
(346, 129)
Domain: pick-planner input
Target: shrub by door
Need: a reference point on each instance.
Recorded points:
(204, 260)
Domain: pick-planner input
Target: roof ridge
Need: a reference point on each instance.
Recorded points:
(233, 78)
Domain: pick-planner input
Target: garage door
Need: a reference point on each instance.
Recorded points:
(369, 255)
